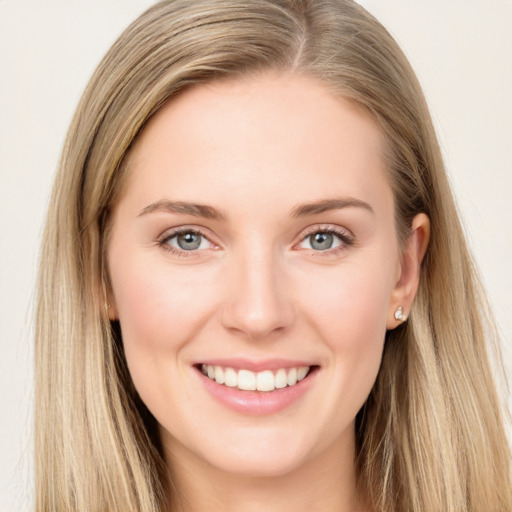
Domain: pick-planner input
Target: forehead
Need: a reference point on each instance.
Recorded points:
(258, 140)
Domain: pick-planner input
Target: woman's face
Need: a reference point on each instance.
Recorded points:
(255, 241)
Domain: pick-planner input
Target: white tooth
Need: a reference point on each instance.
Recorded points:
(230, 378)
(292, 376)
(250, 381)
(302, 372)
(219, 375)
(281, 379)
(265, 381)
(246, 380)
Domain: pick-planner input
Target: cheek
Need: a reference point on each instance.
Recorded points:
(159, 308)
(350, 304)
(349, 311)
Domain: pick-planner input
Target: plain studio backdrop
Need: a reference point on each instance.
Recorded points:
(460, 49)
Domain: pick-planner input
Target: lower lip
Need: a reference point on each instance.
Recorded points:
(256, 403)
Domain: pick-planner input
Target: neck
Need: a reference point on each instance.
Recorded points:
(326, 482)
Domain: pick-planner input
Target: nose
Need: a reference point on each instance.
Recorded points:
(258, 299)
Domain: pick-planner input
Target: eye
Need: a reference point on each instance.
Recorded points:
(326, 239)
(322, 241)
(185, 241)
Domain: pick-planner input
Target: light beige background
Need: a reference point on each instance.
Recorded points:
(461, 50)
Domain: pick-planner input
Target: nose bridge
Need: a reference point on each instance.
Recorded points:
(258, 302)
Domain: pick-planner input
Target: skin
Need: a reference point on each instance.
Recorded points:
(257, 288)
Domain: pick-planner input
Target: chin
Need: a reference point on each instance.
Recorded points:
(266, 453)
(258, 466)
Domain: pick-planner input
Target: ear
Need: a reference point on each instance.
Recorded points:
(409, 270)
(107, 300)
(111, 305)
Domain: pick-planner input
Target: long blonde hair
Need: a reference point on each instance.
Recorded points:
(430, 437)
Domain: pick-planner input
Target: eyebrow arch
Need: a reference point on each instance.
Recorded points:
(197, 210)
(325, 205)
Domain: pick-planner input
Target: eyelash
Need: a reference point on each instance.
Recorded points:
(163, 241)
(346, 238)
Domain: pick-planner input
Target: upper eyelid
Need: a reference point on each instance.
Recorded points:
(325, 227)
(172, 232)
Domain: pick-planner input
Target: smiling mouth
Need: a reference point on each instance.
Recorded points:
(263, 381)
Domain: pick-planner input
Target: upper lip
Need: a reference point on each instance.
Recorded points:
(255, 365)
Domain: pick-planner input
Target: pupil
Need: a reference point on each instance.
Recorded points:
(189, 241)
(321, 241)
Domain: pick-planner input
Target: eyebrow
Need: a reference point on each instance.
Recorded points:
(209, 212)
(197, 210)
(305, 210)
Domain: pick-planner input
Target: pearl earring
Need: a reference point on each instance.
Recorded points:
(399, 314)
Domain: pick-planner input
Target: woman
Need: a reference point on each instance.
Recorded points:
(254, 289)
